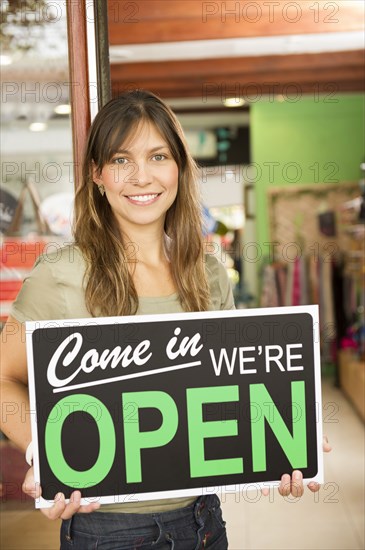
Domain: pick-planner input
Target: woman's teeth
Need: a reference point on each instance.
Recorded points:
(143, 198)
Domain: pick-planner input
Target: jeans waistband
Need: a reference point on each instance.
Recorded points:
(99, 523)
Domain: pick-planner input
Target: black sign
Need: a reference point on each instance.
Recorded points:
(233, 147)
(174, 403)
(8, 205)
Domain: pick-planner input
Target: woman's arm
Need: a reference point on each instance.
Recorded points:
(15, 417)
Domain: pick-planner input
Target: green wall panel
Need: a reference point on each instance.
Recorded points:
(314, 140)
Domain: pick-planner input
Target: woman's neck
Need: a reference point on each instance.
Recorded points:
(147, 245)
(149, 267)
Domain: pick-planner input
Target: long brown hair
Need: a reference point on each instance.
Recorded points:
(109, 287)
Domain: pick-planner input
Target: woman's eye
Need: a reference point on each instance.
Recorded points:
(120, 160)
(159, 157)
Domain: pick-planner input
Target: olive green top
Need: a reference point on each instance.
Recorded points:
(54, 290)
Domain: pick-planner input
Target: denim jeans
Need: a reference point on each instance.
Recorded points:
(198, 526)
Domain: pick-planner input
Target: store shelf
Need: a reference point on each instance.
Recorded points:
(352, 379)
(356, 230)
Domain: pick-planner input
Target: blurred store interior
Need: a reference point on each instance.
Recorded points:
(271, 98)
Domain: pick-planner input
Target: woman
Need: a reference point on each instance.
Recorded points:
(138, 249)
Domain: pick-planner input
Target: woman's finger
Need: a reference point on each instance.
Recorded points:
(296, 487)
(314, 486)
(74, 506)
(87, 508)
(285, 485)
(62, 510)
(56, 511)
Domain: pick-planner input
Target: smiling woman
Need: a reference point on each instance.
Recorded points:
(137, 153)
(138, 193)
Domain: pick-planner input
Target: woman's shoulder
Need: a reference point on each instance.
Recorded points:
(53, 289)
(61, 257)
(59, 252)
(60, 264)
(214, 267)
(219, 282)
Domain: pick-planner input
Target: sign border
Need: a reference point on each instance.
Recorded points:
(312, 310)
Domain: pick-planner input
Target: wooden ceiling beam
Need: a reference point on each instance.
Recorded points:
(238, 84)
(342, 71)
(219, 68)
(235, 82)
(151, 21)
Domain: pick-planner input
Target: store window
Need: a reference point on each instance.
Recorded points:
(220, 145)
(37, 186)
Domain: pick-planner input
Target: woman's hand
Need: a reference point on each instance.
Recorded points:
(59, 510)
(293, 485)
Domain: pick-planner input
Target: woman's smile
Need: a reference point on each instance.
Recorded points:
(143, 200)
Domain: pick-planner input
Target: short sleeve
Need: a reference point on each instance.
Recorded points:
(220, 284)
(40, 297)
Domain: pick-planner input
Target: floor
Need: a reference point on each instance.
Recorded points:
(332, 519)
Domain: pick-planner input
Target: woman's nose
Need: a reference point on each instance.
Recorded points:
(142, 174)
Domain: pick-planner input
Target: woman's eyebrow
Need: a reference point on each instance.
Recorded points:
(157, 148)
(165, 146)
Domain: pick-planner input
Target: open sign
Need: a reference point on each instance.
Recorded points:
(165, 406)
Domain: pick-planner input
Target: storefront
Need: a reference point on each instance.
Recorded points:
(271, 102)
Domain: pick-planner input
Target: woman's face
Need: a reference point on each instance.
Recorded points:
(141, 180)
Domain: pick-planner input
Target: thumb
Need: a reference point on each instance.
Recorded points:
(30, 487)
(326, 445)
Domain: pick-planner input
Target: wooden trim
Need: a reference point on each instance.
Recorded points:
(308, 73)
(79, 82)
(239, 65)
(248, 189)
(102, 52)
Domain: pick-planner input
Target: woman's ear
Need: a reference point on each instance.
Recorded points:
(96, 174)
